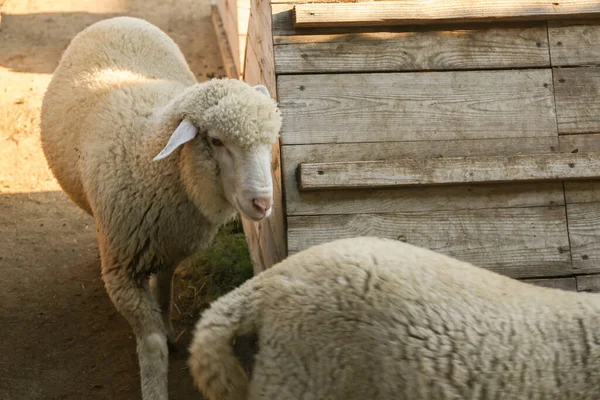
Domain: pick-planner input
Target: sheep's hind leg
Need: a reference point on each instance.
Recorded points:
(135, 302)
(163, 288)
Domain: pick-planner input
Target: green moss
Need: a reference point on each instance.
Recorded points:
(222, 267)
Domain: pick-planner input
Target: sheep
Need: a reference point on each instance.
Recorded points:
(370, 318)
(159, 160)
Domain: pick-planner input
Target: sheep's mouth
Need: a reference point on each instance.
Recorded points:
(250, 214)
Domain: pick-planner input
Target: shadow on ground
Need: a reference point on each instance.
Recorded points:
(61, 336)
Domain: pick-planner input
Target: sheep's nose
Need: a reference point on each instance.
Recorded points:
(262, 205)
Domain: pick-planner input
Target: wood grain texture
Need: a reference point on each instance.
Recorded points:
(449, 171)
(584, 232)
(266, 239)
(260, 65)
(410, 51)
(574, 43)
(518, 242)
(577, 99)
(229, 62)
(415, 199)
(584, 191)
(387, 107)
(588, 283)
(412, 12)
(569, 284)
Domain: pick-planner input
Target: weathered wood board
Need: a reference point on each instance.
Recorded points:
(518, 242)
(415, 199)
(584, 233)
(412, 12)
(574, 43)
(449, 171)
(588, 283)
(493, 48)
(266, 239)
(388, 107)
(577, 99)
(569, 284)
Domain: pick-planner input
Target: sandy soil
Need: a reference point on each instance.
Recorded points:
(61, 337)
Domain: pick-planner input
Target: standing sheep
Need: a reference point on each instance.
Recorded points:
(368, 318)
(159, 160)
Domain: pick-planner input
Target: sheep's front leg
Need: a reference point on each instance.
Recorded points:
(135, 302)
(163, 288)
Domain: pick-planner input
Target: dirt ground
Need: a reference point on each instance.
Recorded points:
(60, 336)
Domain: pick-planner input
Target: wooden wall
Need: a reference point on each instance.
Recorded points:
(352, 94)
(380, 94)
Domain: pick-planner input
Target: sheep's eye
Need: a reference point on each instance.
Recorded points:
(216, 142)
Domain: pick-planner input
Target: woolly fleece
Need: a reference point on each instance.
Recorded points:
(368, 318)
(121, 89)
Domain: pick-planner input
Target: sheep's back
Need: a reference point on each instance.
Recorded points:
(370, 318)
(120, 58)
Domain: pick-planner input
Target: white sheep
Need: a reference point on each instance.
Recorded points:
(368, 318)
(159, 160)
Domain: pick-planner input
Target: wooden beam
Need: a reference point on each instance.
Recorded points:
(228, 61)
(492, 48)
(584, 236)
(266, 238)
(447, 171)
(428, 198)
(419, 12)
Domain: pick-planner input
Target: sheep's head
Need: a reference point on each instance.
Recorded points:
(234, 127)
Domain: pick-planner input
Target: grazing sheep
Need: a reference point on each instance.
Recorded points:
(159, 160)
(369, 318)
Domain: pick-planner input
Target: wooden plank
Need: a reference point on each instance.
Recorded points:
(226, 54)
(408, 51)
(415, 199)
(227, 10)
(283, 26)
(268, 241)
(584, 233)
(283, 20)
(387, 107)
(243, 22)
(413, 12)
(579, 143)
(577, 99)
(449, 171)
(574, 43)
(569, 284)
(381, 201)
(518, 242)
(588, 283)
(581, 191)
(259, 53)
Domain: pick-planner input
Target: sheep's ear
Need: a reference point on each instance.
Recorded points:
(185, 132)
(262, 89)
